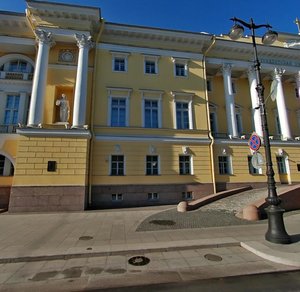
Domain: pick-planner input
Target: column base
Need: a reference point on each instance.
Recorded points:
(276, 230)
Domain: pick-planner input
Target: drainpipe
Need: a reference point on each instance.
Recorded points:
(102, 21)
(213, 41)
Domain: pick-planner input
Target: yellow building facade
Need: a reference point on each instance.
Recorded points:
(102, 115)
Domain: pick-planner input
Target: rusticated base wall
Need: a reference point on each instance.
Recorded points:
(137, 195)
(47, 198)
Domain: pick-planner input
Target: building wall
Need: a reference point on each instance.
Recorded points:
(35, 188)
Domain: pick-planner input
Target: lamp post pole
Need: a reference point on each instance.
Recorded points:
(276, 232)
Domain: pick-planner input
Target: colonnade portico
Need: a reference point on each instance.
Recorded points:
(229, 95)
(229, 99)
(45, 42)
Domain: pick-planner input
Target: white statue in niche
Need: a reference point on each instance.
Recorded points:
(64, 108)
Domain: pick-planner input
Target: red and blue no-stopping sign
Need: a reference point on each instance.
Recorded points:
(254, 142)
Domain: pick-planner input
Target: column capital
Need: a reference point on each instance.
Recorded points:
(44, 37)
(226, 68)
(278, 72)
(251, 72)
(84, 41)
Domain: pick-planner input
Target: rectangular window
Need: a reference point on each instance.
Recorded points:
(151, 113)
(281, 165)
(209, 85)
(117, 197)
(117, 165)
(224, 165)
(182, 115)
(118, 112)
(150, 67)
(119, 64)
(252, 170)
(11, 110)
(187, 196)
(184, 164)
(213, 123)
(152, 165)
(153, 196)
(180, 69)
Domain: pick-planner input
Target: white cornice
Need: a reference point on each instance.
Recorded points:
(68, 133)
(163, 139)
(148, 51)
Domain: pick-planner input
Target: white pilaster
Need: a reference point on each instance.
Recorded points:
(40, 78)
(255, 101)
(229, 99)
(281, 107)
(79, 111)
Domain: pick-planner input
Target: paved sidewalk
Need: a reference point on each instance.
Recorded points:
(29, 243)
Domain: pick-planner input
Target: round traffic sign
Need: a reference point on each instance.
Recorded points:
(254, 142)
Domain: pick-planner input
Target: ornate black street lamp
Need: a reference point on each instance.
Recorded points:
(276, 230)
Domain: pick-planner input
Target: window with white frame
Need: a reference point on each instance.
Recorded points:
(183, 114)
(119, 62)
(224, 164)
(180, 67)
(118, 112)
(213, 119)
(251, 168)
(152, 165)
(17, 65)
(151, 64)
(151, 108)
(117, 197)
(117, 165)
(185, 164)
(281, 164)
(118, 107)
(153, 197)
(11, 109)
(151, 111)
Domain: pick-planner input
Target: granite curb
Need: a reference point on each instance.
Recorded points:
(110, 250)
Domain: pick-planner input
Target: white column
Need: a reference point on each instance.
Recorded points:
(79, 111)
(255, 101)
(229, 98)
(281, 107)
(40, 78)
(298, 83)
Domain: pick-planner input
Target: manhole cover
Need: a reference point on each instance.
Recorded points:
(139, 261)
(163, 222)
(86, 237)
(213, 257)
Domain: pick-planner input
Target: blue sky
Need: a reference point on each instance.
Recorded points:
(210, 16)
